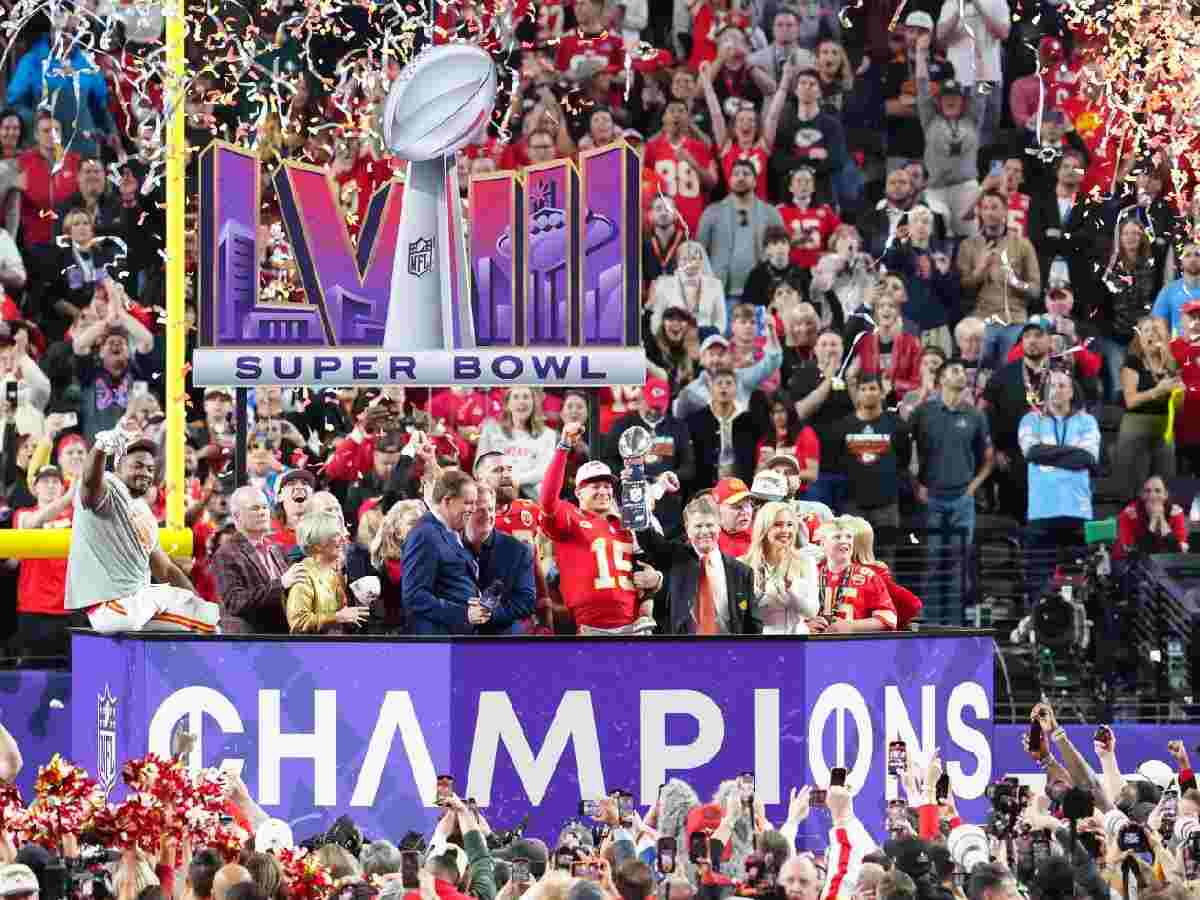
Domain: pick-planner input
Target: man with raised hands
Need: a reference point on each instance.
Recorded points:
(115, 550)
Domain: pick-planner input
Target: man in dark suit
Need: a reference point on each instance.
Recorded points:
(251, 574)
(440, 578)
(505, 559)
(707, 592)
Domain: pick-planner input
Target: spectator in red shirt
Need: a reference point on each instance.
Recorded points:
(293, 492)
(42, 620)
(42, 188)
(737, 516)
(810, 226)
(792, 439)
(590, 47)
(683, 162)
(1152, 523)
(890, 352)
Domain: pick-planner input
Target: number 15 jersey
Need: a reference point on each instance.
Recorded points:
(594, 555)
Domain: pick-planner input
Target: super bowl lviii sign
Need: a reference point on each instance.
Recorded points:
(552, 295)
(541, 284)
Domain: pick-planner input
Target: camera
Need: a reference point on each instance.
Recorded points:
(968, 846)
(698, 847)
(1008, 798)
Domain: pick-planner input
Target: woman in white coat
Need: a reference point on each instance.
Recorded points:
(785, 578)
(693, 286)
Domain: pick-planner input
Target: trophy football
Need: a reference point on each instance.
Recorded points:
(440, 101)
(633, 446)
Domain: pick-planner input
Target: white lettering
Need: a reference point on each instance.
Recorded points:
(969, 694)
(320, 746)
(657, 755)
(574, 721)
(396, 714)
(766, 745)
(194, 702)
(839, 699)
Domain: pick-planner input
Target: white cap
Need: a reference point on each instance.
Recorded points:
(1157, 772)
(273, 834)
(769, 485)
(592, 470)
(440, 847)
(919, 19)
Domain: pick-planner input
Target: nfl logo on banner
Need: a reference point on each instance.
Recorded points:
(106, 740)
(544, 290)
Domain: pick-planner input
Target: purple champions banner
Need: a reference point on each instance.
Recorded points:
(551, 259)
(363, 726)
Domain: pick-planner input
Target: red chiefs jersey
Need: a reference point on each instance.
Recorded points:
(551, 20)
(42, 583)
(811, 230)
(706, 25)
(1187, 419)
(594, 554)
(467, 410)
(856, 593)
(523, 520)
(678, 180)
(807, 447)
(756, 155)
(1018, 213)
(575, 43)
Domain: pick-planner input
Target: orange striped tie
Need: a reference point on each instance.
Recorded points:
(706, 609)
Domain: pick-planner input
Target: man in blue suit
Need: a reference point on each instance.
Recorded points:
(505, 559)
(440, 580)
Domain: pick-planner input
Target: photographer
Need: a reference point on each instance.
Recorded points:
(505, 569)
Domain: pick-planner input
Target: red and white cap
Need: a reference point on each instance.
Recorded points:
(1192, 307)
(657, 393)
(594, 470)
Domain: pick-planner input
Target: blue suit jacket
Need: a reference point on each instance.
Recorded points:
(438, 579)
(509, 560)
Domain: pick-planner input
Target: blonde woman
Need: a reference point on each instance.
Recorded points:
(693, 286)
(522, 434)
(316, 604)
(387, 549)
(908, 605)
(784, 577)
(1148, 378)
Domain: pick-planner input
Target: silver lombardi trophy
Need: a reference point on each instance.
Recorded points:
(433, 110)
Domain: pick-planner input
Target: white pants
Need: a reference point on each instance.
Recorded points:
(159, 607)
(958, 199)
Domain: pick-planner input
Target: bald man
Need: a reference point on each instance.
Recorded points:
(250, 571)
(227, 877)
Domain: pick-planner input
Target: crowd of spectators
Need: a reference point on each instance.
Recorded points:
(1083, 830)
(886, 276)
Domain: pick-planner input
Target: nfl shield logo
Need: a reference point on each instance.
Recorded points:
(106, 740)
(420, 257)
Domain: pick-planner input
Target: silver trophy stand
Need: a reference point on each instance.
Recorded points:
(429, 307)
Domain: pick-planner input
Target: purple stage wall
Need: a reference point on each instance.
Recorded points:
(324, 727)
